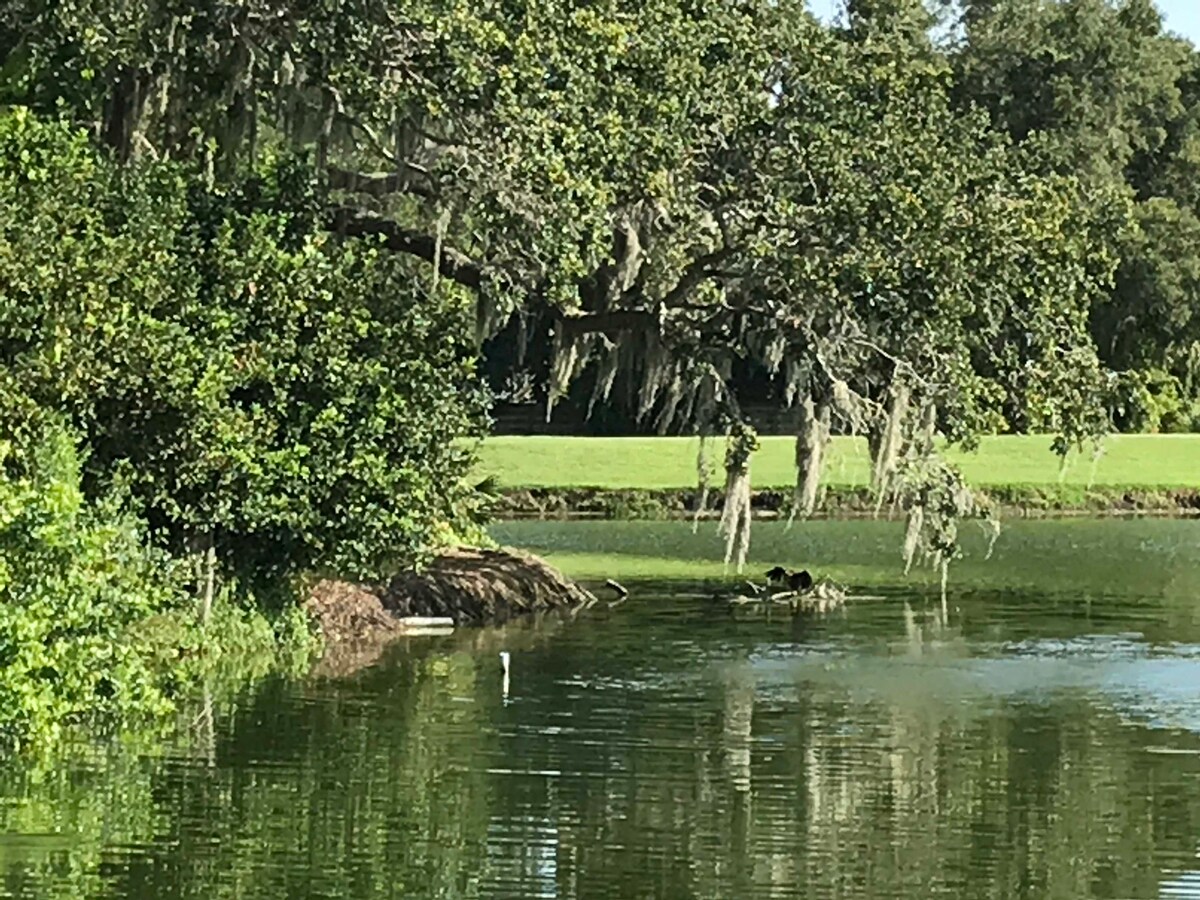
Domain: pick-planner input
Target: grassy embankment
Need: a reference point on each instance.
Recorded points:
(656, 477)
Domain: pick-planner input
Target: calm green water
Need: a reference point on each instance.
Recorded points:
(1044, 743)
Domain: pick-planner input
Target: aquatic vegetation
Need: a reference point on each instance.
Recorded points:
(74, 577)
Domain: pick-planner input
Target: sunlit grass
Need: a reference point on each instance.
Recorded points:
(660, 463)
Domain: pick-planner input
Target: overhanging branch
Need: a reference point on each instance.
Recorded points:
(380, 184)
(615, 321)
(700, 270)
(608, 323)
(452, 264)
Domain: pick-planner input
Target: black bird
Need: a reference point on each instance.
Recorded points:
(800, 581)
(777, 575)
(796, 581)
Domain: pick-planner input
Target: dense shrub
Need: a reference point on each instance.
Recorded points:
(1151, 400)
(256, 383)
(239, 378)
(73, 578)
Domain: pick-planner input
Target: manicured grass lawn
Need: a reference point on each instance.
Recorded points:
(656, 463)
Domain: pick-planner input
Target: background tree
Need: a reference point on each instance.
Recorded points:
(1097, 89)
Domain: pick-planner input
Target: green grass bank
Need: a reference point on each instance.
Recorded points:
(655, 477)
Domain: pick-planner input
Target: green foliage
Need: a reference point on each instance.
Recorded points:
(234, 376)
(935, 498)
(810, 200)
(741, 443)
(316, 430)
(95, 623)
(825, 204)
(1151, 400)
(296, 399)
(1098, 90)
(1153, 312)
(74, 578)
(246, 253)
(1082, 85)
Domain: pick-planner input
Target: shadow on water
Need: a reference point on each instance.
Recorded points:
(1039, 741)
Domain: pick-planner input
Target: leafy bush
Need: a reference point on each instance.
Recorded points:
(292, 398)
(1150, 400)
(241, 379)
(73, 579)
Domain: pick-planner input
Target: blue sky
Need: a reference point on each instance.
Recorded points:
(1181, 16)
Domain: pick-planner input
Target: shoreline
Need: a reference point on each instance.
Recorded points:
(1012, 501)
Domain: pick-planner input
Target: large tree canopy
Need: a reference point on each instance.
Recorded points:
(906, 237)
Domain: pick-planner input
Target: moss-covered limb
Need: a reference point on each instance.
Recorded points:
(737, 511)
(838, 501)
(885, 455)
(812, 437)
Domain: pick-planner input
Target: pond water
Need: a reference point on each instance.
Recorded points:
(1041, 741)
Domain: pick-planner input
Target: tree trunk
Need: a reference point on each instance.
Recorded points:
(704, 475)
(736, 517)
(328, 109)
(928, 430)
(123, 111)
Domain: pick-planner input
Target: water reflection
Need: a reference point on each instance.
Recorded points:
(1183, 886)
(1021, 745)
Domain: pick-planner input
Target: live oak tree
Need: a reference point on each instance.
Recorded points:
(678, 187)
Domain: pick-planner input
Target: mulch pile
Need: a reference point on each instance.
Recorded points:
(467, 585)
(472, 585)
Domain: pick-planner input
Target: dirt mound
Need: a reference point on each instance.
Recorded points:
(349, 613)
(472, 585)
(466, 584)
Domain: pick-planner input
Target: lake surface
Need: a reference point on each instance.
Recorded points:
(1041, 742)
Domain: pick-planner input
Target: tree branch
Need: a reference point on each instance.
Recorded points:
(614, 321)
(379, 184)
(608, 323)
(699, 271)
(453, 264)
